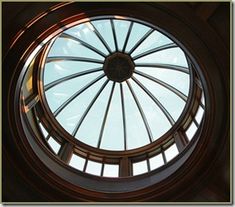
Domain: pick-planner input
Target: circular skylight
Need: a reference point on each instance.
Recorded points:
(116, 83)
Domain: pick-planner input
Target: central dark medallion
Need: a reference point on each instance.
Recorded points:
(118, 67)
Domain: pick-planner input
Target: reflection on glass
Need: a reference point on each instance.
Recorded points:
(140, 167)
(111, 170)
(171, 152)
(156, 161)
(54, 145)
(93, 168)
(77, 162)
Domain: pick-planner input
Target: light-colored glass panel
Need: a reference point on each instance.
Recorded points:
(156, 119)
(72, 113)
(121, 29)
(54, 145)
(57, 95)
(136, 132)
(172, 56)
(174, 78)
(199, 115)
(173, 103)
(156, 161)
(93, 168)
(111, 170)
(67, 47)
(104, 28)
(113, 137)
(137, 32)
(60, 69)
(203, 99)
(191, 130)
(171, 152)
(44, 131)
(156, 39)
(140, 167)
(90, 129)
(77, 162)
(85, 32)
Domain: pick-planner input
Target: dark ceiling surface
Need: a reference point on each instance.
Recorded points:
(16, 175)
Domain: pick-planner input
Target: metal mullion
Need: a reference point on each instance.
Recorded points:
(85, 164)
(105, 116)
(69, 77)
(169, 87)
(65, 152)
(94, 49)
(163, 156)
(163, 109)
(141, 112)
(102, 169)
(77, 94)
(127, 36)
(114, 34)
(148, 164)
(101, 38)
(123, 116)
(140, 41)
(71, 58)
(89, 107)
(157, 49)
(195, 122)
(164, 66)
(30, 102)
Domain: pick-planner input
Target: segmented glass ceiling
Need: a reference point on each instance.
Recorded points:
(115, 83)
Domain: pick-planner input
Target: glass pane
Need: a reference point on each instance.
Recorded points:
(104, 28)
(136, 132)
(111, 170)
(85, 32)
(71, 48)
(174, 78)
(203, 99)
(199, 115)
(140, 167)
(121, 29)
(60, 69)
(137, 32)
(156, 39)
(89, 131)
(77, 162)
(44, 131)
(113, 137)
(191, 131)
(57, 95)
(172, 56)
(157, 121)
(72, 113)
(54, 145)
(171, 152)
(173, 103)
(156, 161)
(93, 167)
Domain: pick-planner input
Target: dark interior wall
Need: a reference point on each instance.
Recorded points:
(15, 185)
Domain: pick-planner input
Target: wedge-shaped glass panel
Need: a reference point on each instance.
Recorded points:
(113, 137)
(56, 70)
(93, 168)
(174, 78)
(137, 32)
(140, 167)
(199, 115)
(77, 162)
(57, 95)
(171, 152)
(156, 161)
(54, 145)
(89, 131)
(104, 28)
(72, 113)
(157, 121)
(44, 131)
(111, 170)
(70, 48)
(156, 39)
(137, 135)
(191, 130)
(172, 56)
